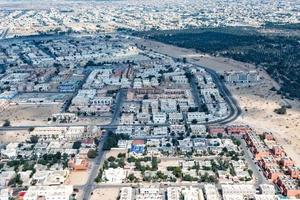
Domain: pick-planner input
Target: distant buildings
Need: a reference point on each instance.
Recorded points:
(248, 77)
(62, 192)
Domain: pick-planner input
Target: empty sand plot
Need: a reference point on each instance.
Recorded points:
(24, 115)
(105, 194)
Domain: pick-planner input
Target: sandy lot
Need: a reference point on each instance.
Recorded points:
(24, 115)
(114, 153)
(13, 136)
(259, 101)
(166, 163)
(29, 114)
(105, 194)
(77, 178)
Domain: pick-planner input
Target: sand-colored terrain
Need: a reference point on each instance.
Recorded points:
(258, 100)
(114, 152)
(258, 104)
(219, 64)
(105, 194)
(13, 136)
(24, 115)
(77, 178)
(35, 115)
(166, 163)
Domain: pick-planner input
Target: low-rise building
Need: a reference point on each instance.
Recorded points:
(159, 118)
(244, 190)
(151, 193)
(126, 193)
(161, 131)
(61, 192)
(137, 147)
(77, 163)
(288, 186)
(117, 175)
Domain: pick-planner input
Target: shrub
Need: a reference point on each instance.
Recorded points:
(92, 153)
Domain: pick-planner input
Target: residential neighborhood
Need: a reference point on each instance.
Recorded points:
(92, 110)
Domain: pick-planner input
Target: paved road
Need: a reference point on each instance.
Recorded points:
(118, 106)
(88, 187)
(257, 173)
(195, 92)
(67, 104)
(4, 33)
(235, 110)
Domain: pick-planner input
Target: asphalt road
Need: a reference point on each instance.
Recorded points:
(235, 110)
(257, 173)
(118, 106)
(89, 186)
(195, 92)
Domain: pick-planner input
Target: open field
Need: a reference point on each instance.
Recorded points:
(114, 152)
(77, 178)
(33, 115)
(219, 64)
(105, 193)
(13, 136)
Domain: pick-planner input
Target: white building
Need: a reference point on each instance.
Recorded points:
(5, 194)
(159, 118)
(127, 130)
(102, 101)
(177, 128)
(192, 194)
(211, 192)
(238, 189)
(197, 129)
(127, 118)
(175, 117)
(168, 105)
(199, 116)
(151, 193)
(61, 192)
(173, 193)
(74, 133)
(160, 131)
(117, 175)
(126, 193)
(10, 150)
(143, 117)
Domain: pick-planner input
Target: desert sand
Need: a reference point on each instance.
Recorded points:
(77, 178)
(24, 115)
(105, 193)
(258, 104)
(13, 136)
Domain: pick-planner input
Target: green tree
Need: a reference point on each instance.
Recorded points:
(111, 159)
(92, 153)
(76, 145)
(34, 139)
(154, 164)
(250, 172)
(6, 123)
(131, 178)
